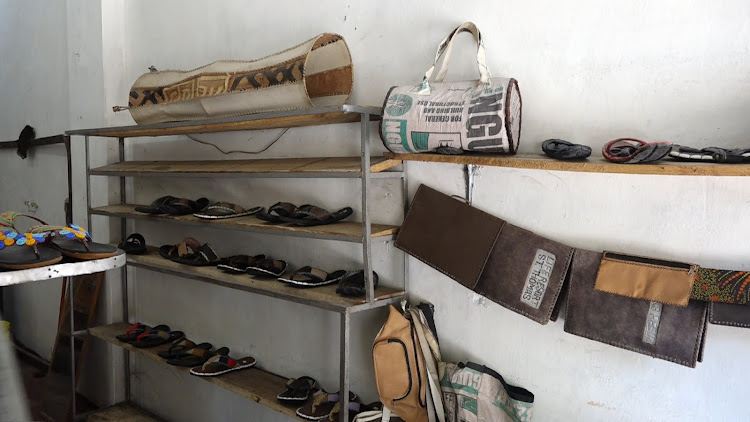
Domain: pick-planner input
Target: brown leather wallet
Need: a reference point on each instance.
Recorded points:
(672, 333)
(525, 273)
(729, 314)
(448, 235)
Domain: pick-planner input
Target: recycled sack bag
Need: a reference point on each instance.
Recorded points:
(673, 333)
(474, 392)
(729, 314)
(525, 273)
(658, 280)
(448, 235)
(317, 72)
(405, 355)
(452, 117)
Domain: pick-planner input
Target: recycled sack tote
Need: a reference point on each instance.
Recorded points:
(317, 72)
(452, 117)
(474, 392)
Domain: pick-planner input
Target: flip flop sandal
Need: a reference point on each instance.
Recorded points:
(132, 333)
(222, 364)
(135, 244)
(369, 413)
(221, 210)
(564, 150)
(196, 357)
(238, 264)
(133, 336)
(311, 215)
(185, 206)
(154, 337)
(276, 211)
(23, 251)
(72, 241)
(710, 154)
(191, 252)
(635, 151)
(355, 408)
(156, 207)
(312, 277)
(353, 284)
(268, 267)
(322, 405)
(178, 348)
(297, 390)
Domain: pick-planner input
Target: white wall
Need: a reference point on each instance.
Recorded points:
(671, 70)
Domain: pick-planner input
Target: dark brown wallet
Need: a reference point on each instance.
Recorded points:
(448, 235)
(729, 314)
(672, 333)
(525, 273)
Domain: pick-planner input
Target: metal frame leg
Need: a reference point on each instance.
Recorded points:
(366, 228)
(69, 281)
(469, 172)
(88, 183)
(124, 274)
(344, 369)
(405, 192)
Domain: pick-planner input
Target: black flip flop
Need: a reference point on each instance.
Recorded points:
(353, 284)
(135, 244)
(312, 277)
(132, 332)
(133, 337)
(181, 347)
(185, 206)
(311, 215)
(156, 207)
(297, 390)
(154, 337)
(239, 264)
(564, 150)
(276, 211)
(267, 267)
(196, 357)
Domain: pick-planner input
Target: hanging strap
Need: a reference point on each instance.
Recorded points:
(446, 47)
(431, 354)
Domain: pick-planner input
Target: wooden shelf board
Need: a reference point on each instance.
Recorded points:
(345, 231)
(276, 166)
(123, 412)
(590, 165)
(254, 383)
(322, 297)
(271, 120)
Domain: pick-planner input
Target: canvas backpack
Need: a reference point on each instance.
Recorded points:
(405, 355)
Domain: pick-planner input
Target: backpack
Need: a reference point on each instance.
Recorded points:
(405, 353)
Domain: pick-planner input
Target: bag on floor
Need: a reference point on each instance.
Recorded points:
(474, 392)
(452, 117)
(317, 72)
(406, 355)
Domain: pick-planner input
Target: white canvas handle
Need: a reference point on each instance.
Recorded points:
(446, 47)
(431, 353)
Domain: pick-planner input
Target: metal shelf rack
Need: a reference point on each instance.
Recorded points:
(363, 167)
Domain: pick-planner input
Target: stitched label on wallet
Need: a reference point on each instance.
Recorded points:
(652, 323)
(538, 278)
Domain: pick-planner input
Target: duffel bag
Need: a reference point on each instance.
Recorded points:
(317, 72)
(453, 117)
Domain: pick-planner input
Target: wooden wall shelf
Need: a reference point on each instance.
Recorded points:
(590, 165)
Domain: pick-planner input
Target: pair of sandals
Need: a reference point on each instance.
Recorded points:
(306, 215)
(350, 283)
(142, 336)
(184, 352)
(327, 406)
(258, 265)
(224, 210)
(191, 252)
(44, 244)
(173, 206)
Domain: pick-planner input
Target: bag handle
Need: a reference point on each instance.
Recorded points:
(431, 354)
(446, 47)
